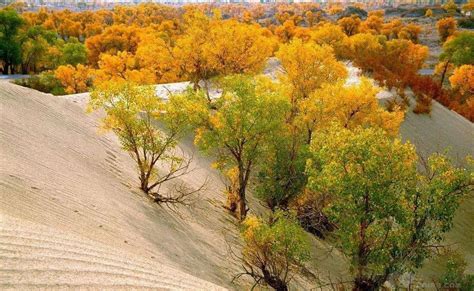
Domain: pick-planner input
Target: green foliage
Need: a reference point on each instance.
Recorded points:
(282, 177)
(237, 127)
(74, 52)
(387, 213)
(460, 50)
(10, 52)
(242, 120)
(466, 22)
(35, 42)
(44, 82)
(131, 113)
(273, 249)
(455, 276)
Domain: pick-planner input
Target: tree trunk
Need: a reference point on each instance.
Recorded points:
(274, 282)
(243, 179)
(242, 209)
(443, 75)
(144, 183)
(364, 284)
(6, 69)
(241, 204)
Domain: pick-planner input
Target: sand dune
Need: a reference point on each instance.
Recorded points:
(57, 171)
(71, 215)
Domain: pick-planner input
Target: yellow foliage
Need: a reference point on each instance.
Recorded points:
(113, 39)
(462, 80)
(332, 35)
(350, 106)
(333, 10)
(155, 54)
(429, 13)
(379, 13)
(220, 47)
(122, 66)
(307, 66)
(233, 189)
(350, 25)
(73, 79)
(468, 6)
(450, 7)
(373, 25)
(237, 48)
(411, 32)
(446, 27)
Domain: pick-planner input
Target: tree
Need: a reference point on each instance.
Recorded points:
(400, 62)
(36, 42)
(74, 52)
(74, 79)
(462, 82)
(411, 32)
(429, 13)
(237, 131)
(273, 250)
(373, 25)
(332, 35)
(307, 66)
(155, 54)
(392, 28)
(446, 27)
(131, 113)
(122, 66)
(350, 25)
(457, 51)
(468, 7)
(450, 7)
(113, 39)
(215, 47)
(190, 48)
(350, 106)
(237, 48)
(388, 214)
(364, 50)
(10, 51)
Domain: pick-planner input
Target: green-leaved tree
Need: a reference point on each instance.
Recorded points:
(236, 128)
(10, 48)
(133, 113)
(388, 213)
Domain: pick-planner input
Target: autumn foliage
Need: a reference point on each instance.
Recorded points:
(446, 27)
(270, 101)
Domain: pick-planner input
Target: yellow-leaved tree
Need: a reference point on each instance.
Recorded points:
(133, 113)
(349, 106)
(74, 79)
(215, 47)
(307, 66)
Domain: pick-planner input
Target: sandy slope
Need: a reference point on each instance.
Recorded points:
(71, 214)
(445, 131)
(65, 186)
(58, 172)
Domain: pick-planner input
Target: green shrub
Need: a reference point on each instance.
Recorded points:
(44, 82)
(273, 249)
(467, 23)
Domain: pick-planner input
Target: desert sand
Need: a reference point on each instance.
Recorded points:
(71, 214)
